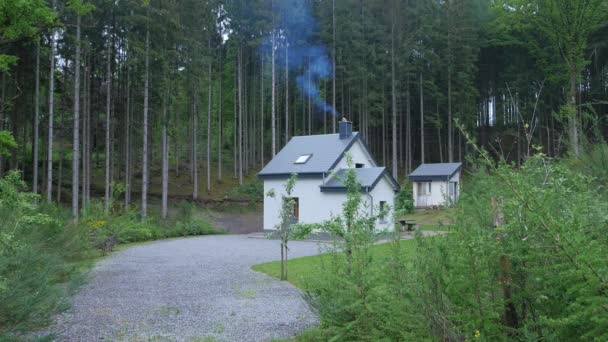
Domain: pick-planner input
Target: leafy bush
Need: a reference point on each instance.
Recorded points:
(39, 255)
(43, 254)
(525, 260)
(253, 190)
(404, 201)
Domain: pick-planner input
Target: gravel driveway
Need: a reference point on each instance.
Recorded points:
(191, 289)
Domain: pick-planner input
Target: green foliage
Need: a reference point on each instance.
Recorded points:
(253, 190)
(38, 257)
(7, 142)
(404, 201)
(43, 255)
(539, 276)
(21, 19)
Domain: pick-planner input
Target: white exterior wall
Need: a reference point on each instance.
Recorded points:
(359, 155)
(317, 206)
(438, 195)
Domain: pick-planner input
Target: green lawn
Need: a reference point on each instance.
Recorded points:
(302, 271)
(432, 219)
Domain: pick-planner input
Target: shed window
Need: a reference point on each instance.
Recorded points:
(424, 188)
(303, 159)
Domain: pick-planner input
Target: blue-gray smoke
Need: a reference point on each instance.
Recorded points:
(309, 61)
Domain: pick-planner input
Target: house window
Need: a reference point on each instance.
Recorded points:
(424, 188)
(296, 208)
(382, 216)
(303, 159)
(359, 165)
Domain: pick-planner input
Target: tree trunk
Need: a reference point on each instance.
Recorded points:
(60, 171)
(76, 127)
(36, 120)
(262, 116)
(128, 143)
(286, 93)
(333, 17)
(108, 103)
(194, 148)
(572, 116)
(408, 126)
(421, 120)
(240, 128)
(394, 99)
(144, 164)
(209, 115)
(450, 133)
(165, 162)
(273, 103)
(219, 120)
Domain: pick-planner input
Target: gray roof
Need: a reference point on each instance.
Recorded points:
(326, 150)
(368, 177)
(437, 171)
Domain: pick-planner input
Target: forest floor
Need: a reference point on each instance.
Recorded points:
(188, 289)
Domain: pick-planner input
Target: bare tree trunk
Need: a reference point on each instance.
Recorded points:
(286, 93)
(394, 99)
(421, 120)
(408, 126)
(144, 171)
(36, 120)
(165, 162)
(450, 133)
(333, 18)
(240, 128)
(76, 127)
(219, 120)
(61, 155)
(262, 116)
(572, 116)
(128, 144)
(194, 144)
(209, 114)
(235, 119)
(273, 103)
(108, 103)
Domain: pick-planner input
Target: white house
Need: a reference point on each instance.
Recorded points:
(320, 163)
(436, 184)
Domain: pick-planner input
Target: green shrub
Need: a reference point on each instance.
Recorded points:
(39, 255)
(404, 201)
(253, 190)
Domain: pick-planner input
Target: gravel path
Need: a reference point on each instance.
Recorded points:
(191, 289)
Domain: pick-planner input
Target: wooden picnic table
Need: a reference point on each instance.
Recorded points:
(407, 222)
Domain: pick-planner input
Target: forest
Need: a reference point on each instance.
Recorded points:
(105, 96)
(114, 114)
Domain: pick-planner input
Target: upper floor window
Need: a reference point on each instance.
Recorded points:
(303, 159)
(359, 165)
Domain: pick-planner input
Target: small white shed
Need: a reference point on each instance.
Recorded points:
(320, 162)
(436, 184)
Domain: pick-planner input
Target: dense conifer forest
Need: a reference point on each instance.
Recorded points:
(121, 119)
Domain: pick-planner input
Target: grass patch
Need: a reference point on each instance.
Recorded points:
(432, 219)
(305, 271)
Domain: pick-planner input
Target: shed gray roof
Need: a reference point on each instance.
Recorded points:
(437, 171)
(368, 177)
(326, 150)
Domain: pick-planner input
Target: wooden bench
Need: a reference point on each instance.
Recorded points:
(409, 223)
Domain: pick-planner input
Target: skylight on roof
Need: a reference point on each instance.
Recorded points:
(303, 159)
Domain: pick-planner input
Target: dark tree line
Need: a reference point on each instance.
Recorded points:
(130, 90)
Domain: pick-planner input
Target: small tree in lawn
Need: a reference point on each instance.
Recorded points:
(286, 227)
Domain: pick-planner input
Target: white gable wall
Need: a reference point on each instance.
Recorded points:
(359, 155)
(316, 206)
(438, 195)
